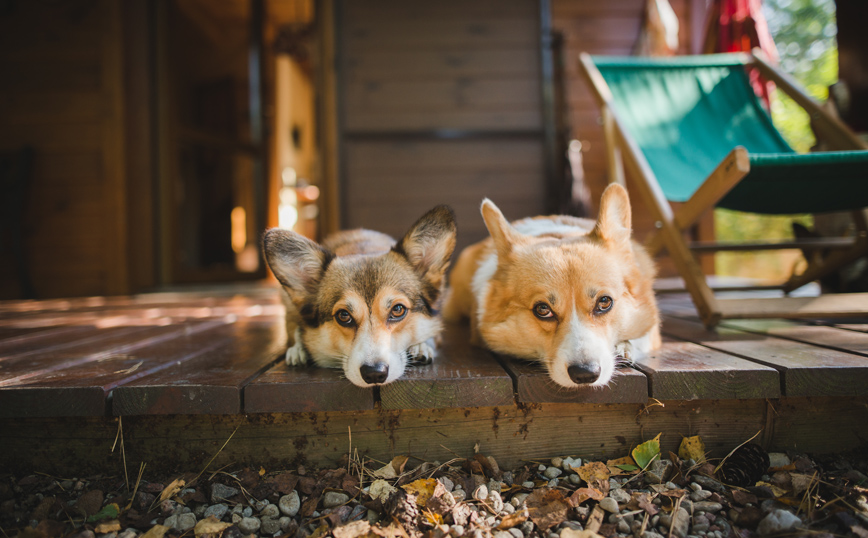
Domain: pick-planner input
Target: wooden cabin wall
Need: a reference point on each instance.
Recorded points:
(408, 70)
(62, 95)
(612, 27)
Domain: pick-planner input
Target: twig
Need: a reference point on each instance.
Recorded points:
(719, 465)
(217, 454)
(4, 532)
(136, 488)
(350, 449)
(120, 435)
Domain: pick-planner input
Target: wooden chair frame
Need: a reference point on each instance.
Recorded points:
(623, 153)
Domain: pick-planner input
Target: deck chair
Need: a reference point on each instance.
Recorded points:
(690, 129)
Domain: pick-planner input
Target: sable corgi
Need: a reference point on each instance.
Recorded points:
(361, 301)
(571, 293)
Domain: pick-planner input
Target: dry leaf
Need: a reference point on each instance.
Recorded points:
(776, 491)
(583, 494)
(381, 490)
(570, 533)
(595, 519)
(172, 489)
(547, 507)
(513, 520)
(593, 472)
(108, 526)
(157, 531)
(423, 489)
(356, 529)
(620, 466)
(393, 468)
(210, 525)
(692, 448)
(320, 531)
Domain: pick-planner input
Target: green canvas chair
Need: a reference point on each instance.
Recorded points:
(690, 129)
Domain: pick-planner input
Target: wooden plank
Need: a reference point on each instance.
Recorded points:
(396, 94)
(842, 305)
(430, 64)
(806, 370)
(444, 9)
(533, 385)
(687, 371)
(39, 340)
(511, 434)
(505, 118)
(819, 335)
(460, 376)
(367, 34)
(209, 376)
(444, 155)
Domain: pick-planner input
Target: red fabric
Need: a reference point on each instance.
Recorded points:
(739, 26)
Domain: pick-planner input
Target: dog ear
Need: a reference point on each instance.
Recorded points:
(502, 232)
(296, 261)
(614, 224)
(429, 244)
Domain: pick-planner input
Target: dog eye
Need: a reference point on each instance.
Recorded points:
(604, 304)
(398, 312)
(344, 318)
(543, 311)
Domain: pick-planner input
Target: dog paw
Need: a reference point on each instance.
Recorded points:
(297, 355)
(624, 351)
(422, 353)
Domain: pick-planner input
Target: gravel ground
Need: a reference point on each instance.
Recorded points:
(564, 497)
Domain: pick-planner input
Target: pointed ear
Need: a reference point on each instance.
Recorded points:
(296, 261)
(614, 224)
(502, 232)
(429, 244)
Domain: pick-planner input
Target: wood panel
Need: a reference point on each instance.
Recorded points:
(806, 370)
(296, 389)
(535, 386)
(460, 376)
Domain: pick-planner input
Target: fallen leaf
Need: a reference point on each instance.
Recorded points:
(157, 531)
(423, 489)
(210, 525)
(859, 531)
(381, 490)
(570, 533)
(645, 503)
(172, 489)
(355, 529)
(776, 491)
(583, 494)
(547, 507)
(109, 511)
(432, 518)
(320, 531)
(261, 471)
(595, 520)
(692, 448)
(108, 526)
(647, 452)
(593, 472)
(393, 468)
(513, 520)
(621, 466)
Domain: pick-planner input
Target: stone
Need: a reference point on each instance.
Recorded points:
(171, 521)
(609, 505)
(502, 534)
(575, 479)
(185, 522)
(552, 472)
(332, 499)
(679, 523)
(285, 523)
(706, 506)
(710, 483)
(271, 511)
(249, 525)
(516, 533)
(557, 461)
(495, 501)
(448, 484)
(247, 512)
(778, 521)
(620, 496)
(658, 472)
(269, 525)
(480, 493)
(220, 492)
(778, 459)
(216, 510)
(456, 530)
(528, 484)
(700, 495)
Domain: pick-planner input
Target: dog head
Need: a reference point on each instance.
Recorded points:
(565, 297)
(366, 312)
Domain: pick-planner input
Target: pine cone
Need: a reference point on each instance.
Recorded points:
(745, 466)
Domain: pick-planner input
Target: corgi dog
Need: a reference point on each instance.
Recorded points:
(361, 301)
(571, 293)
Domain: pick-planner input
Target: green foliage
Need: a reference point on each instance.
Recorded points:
(804, 33)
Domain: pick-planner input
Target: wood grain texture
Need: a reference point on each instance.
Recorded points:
(687, 371)
(806, 370)
(511, 434)
(460, 376)
(535, 386)
(295, 389)
(842, 339)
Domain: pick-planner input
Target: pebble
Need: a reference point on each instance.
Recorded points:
(502, 534)
(247, 512)
(480, 493)
(260, 505)
(569, 463)
(658, 471)
(553, 483)
(528, 484)
(495, 501)
(508, 508)
(269, 525)
(557, 461)
(516, 533)
(456, 530)
(679, 522)
(448, 484)
(609, 505)
(701, 495)
(620, 496)
(249, 525)
(219, 492)
(778, 521)
(289, 504)
(459, 495)
(778, 459)
(285, 523)
(271, 511)
(710, 483)
(552, 472)
(129, 533)
(216, 510)
(706, 506)
(332, 499)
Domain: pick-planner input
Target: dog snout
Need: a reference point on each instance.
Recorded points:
(583, 373)
(376, 373)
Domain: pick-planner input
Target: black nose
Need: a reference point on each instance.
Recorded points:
(374, 373)
(583, 373)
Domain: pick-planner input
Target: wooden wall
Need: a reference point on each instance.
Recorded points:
(610, 27)
(62, 94)
(410, 69)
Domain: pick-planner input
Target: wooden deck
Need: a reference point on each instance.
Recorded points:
(187, 371)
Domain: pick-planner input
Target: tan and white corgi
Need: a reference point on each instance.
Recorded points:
(571, 293)
(361, 301)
